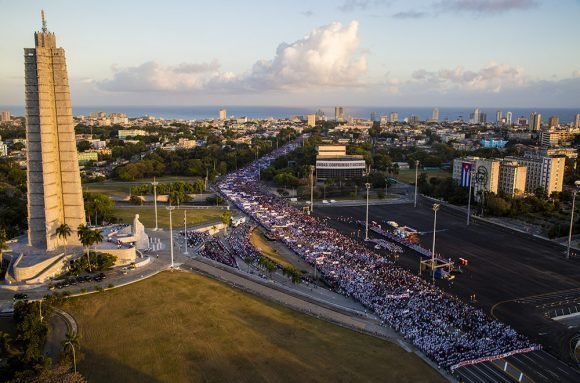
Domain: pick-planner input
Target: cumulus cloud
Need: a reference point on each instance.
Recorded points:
(329, 56)
(485, 6)
(362, 5)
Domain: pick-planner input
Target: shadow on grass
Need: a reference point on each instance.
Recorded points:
(99, 368)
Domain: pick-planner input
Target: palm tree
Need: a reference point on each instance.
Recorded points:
(96, 238)
(63, 232)
(85, 237)
(71, 341)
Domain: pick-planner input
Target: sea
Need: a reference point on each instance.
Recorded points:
(566, 115)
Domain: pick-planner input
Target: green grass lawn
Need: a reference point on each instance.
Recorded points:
(122, 188)
(408, 175)
(147, 216)
(182, 327)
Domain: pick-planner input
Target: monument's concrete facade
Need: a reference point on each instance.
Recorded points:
(54, 184)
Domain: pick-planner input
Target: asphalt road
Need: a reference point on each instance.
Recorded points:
(504, 265)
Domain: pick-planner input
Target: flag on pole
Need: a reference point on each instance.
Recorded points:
(465, 174)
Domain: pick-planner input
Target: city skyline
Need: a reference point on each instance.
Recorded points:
(440, 53)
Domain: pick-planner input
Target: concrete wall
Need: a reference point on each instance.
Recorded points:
(38, 271)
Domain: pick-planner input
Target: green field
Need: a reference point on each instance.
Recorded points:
(122, 189)
(408, 175)
(182, 327)
(147, 216)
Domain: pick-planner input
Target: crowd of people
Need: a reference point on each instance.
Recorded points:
(440, 325)
(195, 238)
(238, 241)
(389, 246)
(216, 250)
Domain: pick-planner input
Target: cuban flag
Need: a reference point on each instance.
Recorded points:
(465, 174)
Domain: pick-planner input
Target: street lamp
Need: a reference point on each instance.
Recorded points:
(368, 185)
(155, 183)
(471, 172)
(185, 232)
(416, 179)
(171, 208)
(435, 208)
(577, 184)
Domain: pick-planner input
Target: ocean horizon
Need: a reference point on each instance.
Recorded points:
(566, 115)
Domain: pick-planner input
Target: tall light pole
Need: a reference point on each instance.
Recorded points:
(155, 183)
(368, 185)
(469, 197)
(577, 184)
(185, 230)
(416, 179)
(435, 208)
(311, 188)
(171, 208)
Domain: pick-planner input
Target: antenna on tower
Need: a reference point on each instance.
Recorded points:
(44, 29)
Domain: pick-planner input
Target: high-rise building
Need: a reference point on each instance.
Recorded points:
(414, 119)
(577, 121)
(485, 173)
(535, 121)
(477, 117)
(312, 120)
(223, 114)
(508, 118)
(383, 120)
(54, 182)
(5, 117)
(339, 113)
(512, 178)
(553, 121)
(373, 116)
(394, 117)
(543, 172)
(435, 115)
(498, 117)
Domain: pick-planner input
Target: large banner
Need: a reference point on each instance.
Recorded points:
(465, 174)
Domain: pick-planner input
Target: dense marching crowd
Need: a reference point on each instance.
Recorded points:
(443, 327)
(215, 249)
(238, 241)
(394, 249)
(196, 238)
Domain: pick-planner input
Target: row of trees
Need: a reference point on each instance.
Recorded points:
(195, 187)
(209, 160)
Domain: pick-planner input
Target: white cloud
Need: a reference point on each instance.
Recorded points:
(152, 76)
(491, 78)
(328, 56)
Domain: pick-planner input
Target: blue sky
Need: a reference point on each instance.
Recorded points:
(299, 53)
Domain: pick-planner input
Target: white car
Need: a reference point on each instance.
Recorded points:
(324, 201)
